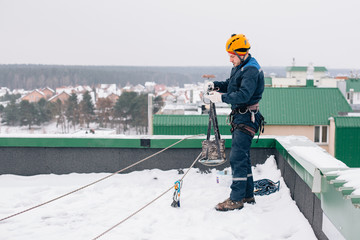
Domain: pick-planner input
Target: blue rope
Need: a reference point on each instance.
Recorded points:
(265, 187)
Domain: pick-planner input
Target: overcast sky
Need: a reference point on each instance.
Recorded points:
(179, 33)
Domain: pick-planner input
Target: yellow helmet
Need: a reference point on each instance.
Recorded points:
(237, 44)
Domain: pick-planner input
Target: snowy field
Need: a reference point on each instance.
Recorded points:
(89, 212)
(51, 128)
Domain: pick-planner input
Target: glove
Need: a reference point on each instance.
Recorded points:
(209, 86)
(213, 96)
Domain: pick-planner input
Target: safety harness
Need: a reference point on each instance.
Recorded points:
(253, 109)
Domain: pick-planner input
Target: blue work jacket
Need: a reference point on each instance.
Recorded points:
(244, 87)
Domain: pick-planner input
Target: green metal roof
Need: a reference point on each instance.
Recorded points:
(186, 124)
(354, 84)
(347, 140)
(268, 81)
(279, 106)
(304, 69)
(302, 106)
(347, 122)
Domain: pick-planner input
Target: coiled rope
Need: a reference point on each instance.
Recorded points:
(265, 187)
(146, 205)
(97, 181)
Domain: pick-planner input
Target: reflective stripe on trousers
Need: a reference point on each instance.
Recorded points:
(242, 179)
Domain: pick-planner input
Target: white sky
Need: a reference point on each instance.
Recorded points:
(178, 33)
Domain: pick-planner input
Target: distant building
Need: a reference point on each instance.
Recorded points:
(63, 97)
(159, 88)
(48, 92)
(34, 96)
(302, 111)
(68, 90)
(297, 76)
(105, 90)
(113, 98)
(166, 96)
(138, 88)
(127, 88)
(300, 72)
(3, 91)
(353, 91)
(150, 86)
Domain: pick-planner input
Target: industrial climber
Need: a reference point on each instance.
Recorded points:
(243, 90)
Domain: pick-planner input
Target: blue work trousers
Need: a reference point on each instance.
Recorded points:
(242, 183)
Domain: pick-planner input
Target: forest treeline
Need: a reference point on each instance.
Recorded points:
(29, 77)
(129, 111)
(32, 76)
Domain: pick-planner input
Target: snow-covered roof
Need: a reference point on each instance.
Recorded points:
(310, 154)
(55, 96)
(50, 89)
(352, 178)
(196, 219)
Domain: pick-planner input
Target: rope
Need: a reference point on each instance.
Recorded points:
(265, 187)
(97, 181)
(146, 205)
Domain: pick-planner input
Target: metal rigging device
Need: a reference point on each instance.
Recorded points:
(213, 151)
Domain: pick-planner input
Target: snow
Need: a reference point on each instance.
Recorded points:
(352, 179)
(317, 156)
(89, 212)
(309, 154)
(50, 130)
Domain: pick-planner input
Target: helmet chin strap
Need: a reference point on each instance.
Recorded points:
(242, 58)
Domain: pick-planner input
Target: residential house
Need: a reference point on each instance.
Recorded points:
(48, 92)
(68, 90)
(301, 111)
(63, 97)
(166, 96)
(108, 91)
(34, 96)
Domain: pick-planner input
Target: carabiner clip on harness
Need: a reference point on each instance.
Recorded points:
(253, 110)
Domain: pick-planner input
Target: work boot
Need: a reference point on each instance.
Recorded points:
(229, 205)
(250, 200)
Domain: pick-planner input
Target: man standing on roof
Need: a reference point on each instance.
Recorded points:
(243, 90)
